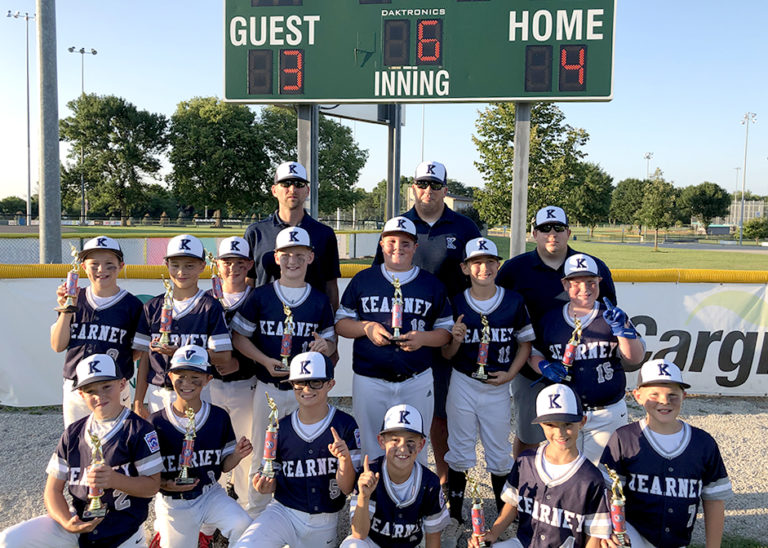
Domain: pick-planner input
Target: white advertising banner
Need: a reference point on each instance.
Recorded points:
(715, 332)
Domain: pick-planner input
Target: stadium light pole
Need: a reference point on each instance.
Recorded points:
(648, 156)
(27, 17)
(82, 52)
(745, 121)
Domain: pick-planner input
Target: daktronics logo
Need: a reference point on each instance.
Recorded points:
(413, 13)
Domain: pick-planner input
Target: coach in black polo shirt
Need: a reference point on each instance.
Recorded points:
(442, 234)
(291, 189)
(537, 276)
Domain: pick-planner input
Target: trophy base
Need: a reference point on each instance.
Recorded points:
(480, 376)
(282, 368)
(184, 481)
(157, 343)
(66, 308)
(89, 515)
(395, 340)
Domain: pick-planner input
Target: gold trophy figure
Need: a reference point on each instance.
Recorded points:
(478, 514)
(270, 440)
(96, 509)
(482, 353)
(286, 344)
(397, 312)
(187, 450)
(70, 286)
(216, 287)
(166, 315)
(618, 519)
(570, 349)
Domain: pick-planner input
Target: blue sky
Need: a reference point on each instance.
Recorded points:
(685, 73)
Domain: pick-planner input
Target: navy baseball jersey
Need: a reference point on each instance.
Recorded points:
(214, 441)
(201, 322)
(369, 296)
(305, 469)
(554, 512)
(441, 247)
(129, 447)
(262, 319)
(663, 489)
(261, 237)
(247, 367)
(597, 375)
(509, 325)
(106, 329)
(402, 524)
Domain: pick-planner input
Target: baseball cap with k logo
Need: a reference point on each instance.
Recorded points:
(403, 417)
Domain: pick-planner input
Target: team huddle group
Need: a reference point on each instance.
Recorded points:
(443, 335)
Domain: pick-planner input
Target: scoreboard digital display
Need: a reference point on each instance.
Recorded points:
(391, 51)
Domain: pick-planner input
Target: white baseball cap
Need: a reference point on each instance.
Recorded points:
(290, 171)
(550, 215)
(400, 224)
(480, 247)
(96, 368)
(309, 366)
(291, 237)
(660, 371)
(558, 403)
(580, 264)
(431, 171)
(103, 243)
(190, 357)
(234, 247)
(185, 245)
(403, 417)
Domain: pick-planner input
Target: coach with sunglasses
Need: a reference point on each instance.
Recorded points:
(291, 189)
(537, 276)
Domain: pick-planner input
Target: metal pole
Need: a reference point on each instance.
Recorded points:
(748, 117)
(308, 121)
(392, 207)
(82, 52)
(519, 212)
(648, 156)
(50, 182)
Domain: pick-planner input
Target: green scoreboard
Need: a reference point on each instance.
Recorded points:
(420, 51)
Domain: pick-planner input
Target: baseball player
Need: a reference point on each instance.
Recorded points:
(126, 480)
(198, 319)
(104, 322)
(399, 501)
(558, 496)
(605, 338)
(387, 370)
(260, 327)
(491, 327)
(234, 392)
(181, 510)
(317, 455)
(667, 466)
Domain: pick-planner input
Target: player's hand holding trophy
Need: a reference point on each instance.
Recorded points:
(270, 440)
(187, 450)
(96, 508)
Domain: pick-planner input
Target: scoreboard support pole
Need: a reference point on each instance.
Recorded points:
(392, 208)
(518, 216)
(307, 127)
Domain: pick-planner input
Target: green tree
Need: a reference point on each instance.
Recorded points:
(756, 229)
(156, 200)
(218, 157)
(626, 200)
(658, 207)
(121, 147)
(372, 205)
(11, 205)
(554, 155)
(339, 158)
(705, 201)
(589, 202)
(457, 188)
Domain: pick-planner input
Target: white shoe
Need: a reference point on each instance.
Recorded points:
(451, 534)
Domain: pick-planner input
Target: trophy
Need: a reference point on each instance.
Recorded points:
(617, 507)
(187, 450)
(482, 353)
(270, 440)
(166, 315)
(96, 509)
(478, 515)
(71, 284)
(570, 349)
(286, 342)
(216, 288)
(397, 312)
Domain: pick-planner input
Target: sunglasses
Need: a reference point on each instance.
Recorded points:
(546, 229)
(434, 185)
(297, 184)
(314, 384)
